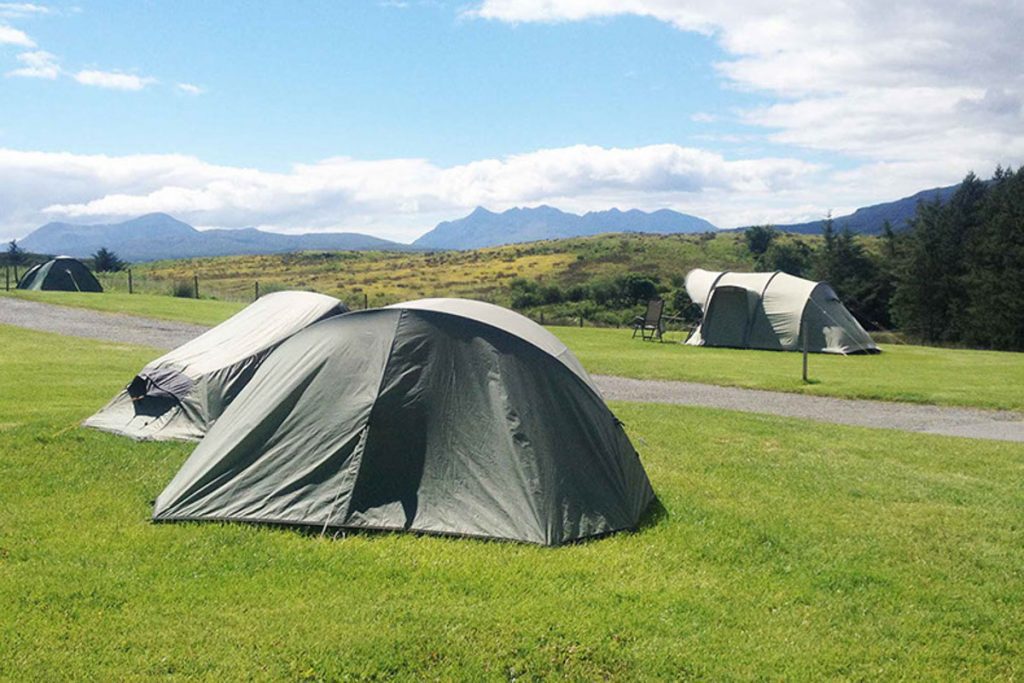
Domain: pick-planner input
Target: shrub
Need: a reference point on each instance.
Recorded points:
(183, 289)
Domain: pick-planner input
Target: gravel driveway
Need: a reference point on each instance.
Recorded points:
(81, 322)
(908, 417)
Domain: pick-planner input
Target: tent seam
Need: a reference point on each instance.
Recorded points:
(366, 427)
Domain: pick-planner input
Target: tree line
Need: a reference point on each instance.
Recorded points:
(102, 261)
(953, 275)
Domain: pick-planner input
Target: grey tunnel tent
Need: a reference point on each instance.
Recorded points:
(437, 416)
(180, 394)
(769, 311)
(63, 274)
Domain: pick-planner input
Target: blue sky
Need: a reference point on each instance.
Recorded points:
(385, 117)
(367, 80)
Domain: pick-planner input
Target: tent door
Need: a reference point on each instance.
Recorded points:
(727, 318)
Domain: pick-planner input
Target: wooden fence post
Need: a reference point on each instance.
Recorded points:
(803, 339)
(130, 290)
(7, 278)
(257, 290)
(366, 301)
(581, 320)
(542, 317)
(195, 282)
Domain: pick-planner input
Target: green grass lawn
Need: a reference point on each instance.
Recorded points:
(785, 549)
(918, 374)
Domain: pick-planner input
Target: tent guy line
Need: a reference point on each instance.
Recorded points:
(964, 422)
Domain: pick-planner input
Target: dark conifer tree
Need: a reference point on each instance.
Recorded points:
(106, 261)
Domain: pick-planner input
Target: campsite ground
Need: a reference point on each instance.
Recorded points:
(781, 546)
(197, 311)
(956, 377)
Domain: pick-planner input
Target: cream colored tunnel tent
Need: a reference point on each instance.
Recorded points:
(439, 416)
(769, 311)
(180, 394)
(61, 274)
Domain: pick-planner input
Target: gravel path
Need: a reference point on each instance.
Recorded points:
(974, 423)
(81, 322)
(909, 417)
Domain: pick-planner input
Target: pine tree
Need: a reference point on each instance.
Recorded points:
(106, 261)
(962, 219)
(995, 275)
(918, 306)
(15, 254)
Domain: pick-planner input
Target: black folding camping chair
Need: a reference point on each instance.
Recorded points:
(650, 325)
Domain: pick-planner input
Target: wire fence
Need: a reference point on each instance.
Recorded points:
(240, 290)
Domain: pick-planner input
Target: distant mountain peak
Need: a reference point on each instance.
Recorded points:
(483, 228)
(869, 219)
(161, 236)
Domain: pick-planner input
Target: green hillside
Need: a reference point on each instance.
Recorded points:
(600, 277)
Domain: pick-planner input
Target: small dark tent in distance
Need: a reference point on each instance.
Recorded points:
(62, 274)
(182, 393)
(773, 311)
(441, 416)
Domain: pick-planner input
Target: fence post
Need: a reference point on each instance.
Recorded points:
(7, 278)
(803, 340)
(130, 291)
(195, 282)
(542, 317)
(581, 320)
(366, 301)
(257, 290)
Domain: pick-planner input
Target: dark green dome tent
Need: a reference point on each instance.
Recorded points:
(180, 394)
(63, 274)
(439, 416)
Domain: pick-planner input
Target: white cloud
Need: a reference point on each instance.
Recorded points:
(18, 10)
(395, 198)
(189, 89)
(913, 81)
(37, 64)
(12, 36)
(114, 80)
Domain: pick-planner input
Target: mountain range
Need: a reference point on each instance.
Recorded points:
(869, 219)
(484, 228)
(159, 236)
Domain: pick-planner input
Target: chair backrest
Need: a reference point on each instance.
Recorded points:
(654, 310)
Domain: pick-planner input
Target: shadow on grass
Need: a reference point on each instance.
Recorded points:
(653, 516)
